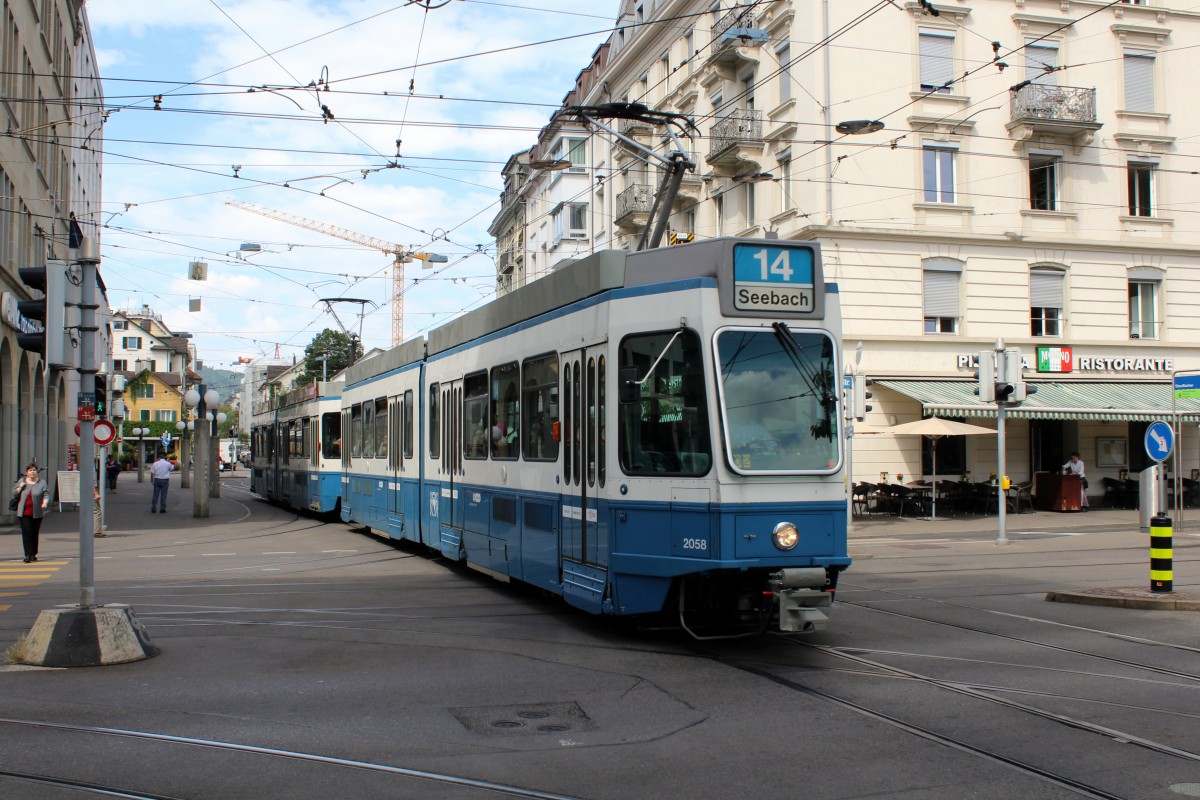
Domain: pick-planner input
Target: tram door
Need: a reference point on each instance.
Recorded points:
(281, 460)
(583, 447)
(447, 506)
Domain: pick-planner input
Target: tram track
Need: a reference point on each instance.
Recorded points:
(486, 788)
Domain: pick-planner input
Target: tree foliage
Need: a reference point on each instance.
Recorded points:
(341, 349)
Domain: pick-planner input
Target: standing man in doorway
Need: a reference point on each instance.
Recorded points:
(160, 474)
(1074, 466)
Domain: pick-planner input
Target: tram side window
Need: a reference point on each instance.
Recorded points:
(331, 435)
(475, 426)
(540, 407)
(368, 429)
(666, 431)
(435, 421)
(381, 432)
(408, 424)
(506, 411)
(305, 445)
(356, 431)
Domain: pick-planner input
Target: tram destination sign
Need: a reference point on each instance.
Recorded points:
(773, 278)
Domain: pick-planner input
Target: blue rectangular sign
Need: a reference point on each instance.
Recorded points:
(772, 278)
(1187, 386)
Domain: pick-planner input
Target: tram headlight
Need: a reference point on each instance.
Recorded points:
(785, 536)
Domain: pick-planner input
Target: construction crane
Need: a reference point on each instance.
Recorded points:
(399, 254)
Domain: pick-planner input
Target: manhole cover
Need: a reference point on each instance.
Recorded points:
(551, 718)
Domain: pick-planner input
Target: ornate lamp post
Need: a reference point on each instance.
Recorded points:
(202, 400)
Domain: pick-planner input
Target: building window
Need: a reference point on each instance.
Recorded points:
(689, 49)
(941, 302)
(1141, 188)
(570, 221)
(720, 208)
(1041, 62)
(1044, 181)
(165, 416)
(1045, 302)
(1143, 308)
(785, 181)
(936, 60)
(131, 342)
(1139, 81)
(120, 325)
(120, 365)
(144, 415)
(783, 55)
(751, 204)
(144, 392)
(938, 173)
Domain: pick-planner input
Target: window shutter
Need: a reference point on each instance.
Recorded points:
(937, 58)
(941, 293)
(1037, 58)
(1139, 81)
(1045, 289)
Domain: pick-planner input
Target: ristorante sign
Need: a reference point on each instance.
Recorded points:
(1060, 360)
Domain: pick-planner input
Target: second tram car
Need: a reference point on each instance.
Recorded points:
(295, 448)
(640, 433)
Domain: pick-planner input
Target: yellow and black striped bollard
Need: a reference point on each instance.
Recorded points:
(1161, 559)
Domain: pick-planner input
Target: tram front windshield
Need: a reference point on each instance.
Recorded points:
(779, 392)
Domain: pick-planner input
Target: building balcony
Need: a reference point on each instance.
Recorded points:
(634, 127)
(737, 144)
(736, 40)
(633, 207)
(1061, 111)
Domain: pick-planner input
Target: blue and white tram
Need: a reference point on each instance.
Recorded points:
(296, 449)
(641, 433)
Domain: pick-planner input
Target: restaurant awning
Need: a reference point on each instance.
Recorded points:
(1078, 400)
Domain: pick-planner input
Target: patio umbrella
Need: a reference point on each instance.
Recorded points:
(935, 428)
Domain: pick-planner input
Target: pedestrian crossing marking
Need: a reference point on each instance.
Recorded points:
(25, 576)
(5, 608)
(13, 594)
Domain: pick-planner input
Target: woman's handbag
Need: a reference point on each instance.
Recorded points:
(13, 501)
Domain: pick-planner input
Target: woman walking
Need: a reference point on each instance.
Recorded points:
(32, 499)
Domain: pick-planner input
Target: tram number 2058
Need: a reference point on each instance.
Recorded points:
(695, 544)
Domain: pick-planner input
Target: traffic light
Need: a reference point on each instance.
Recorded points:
(116, 408)
(861, 396)
(1014, 375)
(986, 375)
(101, 397)
(43, 320)
(33, 311)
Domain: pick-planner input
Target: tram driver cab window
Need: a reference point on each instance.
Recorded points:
(665, 428)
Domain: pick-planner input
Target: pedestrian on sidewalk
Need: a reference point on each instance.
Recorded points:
(111, 470)
(160, 473)
(33, 497)
(97, 516)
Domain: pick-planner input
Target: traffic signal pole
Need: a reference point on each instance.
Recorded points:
(89, 259)
(86, 635)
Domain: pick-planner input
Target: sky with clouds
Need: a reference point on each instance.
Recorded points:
(422, 107)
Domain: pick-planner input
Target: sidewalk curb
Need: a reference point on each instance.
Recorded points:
(1129, 597)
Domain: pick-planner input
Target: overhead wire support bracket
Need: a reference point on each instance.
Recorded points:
(677, 162)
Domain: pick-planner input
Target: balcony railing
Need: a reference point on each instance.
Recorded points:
(739, 18)
(739, 126)
(1054, 104)
(637, 199)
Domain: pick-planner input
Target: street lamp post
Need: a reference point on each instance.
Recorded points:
(184, 473)
(141, 453)
(218, 419)
(202, 399)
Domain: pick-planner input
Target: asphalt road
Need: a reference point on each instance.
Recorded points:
(302, 659)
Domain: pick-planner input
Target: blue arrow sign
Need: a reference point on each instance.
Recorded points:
(1160, 440)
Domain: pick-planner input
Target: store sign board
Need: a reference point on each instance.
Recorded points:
(1187, 387)
(1054, 359)
(1093, 364)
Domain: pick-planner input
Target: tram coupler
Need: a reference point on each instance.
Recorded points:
(802, 599)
